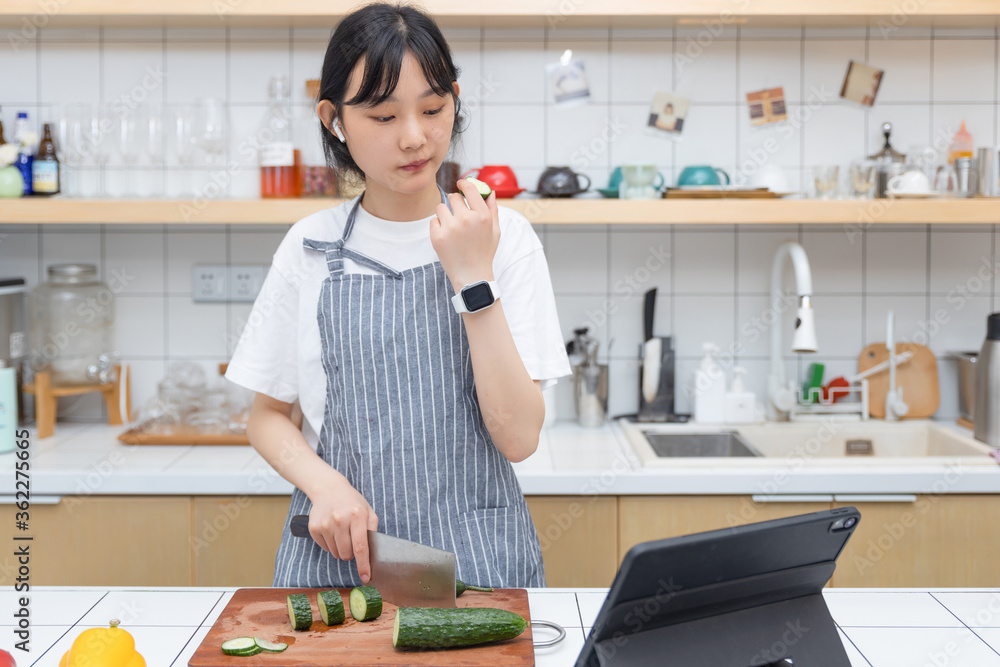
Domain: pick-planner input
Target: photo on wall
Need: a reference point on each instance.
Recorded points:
(767, 106)
(861, 83)
(569, 80)
(667, 114)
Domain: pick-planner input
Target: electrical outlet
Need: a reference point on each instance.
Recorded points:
(209, 283)
(245, 282)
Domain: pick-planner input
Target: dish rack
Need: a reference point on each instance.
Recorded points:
(846, 408)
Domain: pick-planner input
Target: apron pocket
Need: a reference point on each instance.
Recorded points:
(497, 543)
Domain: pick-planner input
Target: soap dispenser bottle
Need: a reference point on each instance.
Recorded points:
(709, 388)
(741, 405)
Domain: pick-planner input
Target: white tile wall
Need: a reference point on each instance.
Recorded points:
(713, 284)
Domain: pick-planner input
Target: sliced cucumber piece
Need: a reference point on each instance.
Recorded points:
(366, 603)
(299, 611)
(483, 188)
(331, 607)
(270, 647)
(241, 646)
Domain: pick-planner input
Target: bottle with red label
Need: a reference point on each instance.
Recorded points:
(280, 161)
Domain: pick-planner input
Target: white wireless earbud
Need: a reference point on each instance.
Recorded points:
(338, 131)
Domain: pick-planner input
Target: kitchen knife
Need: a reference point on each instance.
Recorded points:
(652, 351)
(407, 574)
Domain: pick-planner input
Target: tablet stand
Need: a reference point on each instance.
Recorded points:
(750, 622)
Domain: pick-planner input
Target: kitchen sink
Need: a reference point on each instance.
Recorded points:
(812, 443)
(673, 445)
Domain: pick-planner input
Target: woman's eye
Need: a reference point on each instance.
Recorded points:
(434, 112)
(383, 119)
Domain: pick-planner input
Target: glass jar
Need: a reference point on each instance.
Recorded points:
(71, 325)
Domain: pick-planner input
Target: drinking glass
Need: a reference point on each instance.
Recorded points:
(826, 179)
(185, 142)
(945, 180)
(130, 131)
(863, 178)
(98, 134)
(70, 137)
(921, 157)
(152, 120)
(210, 128)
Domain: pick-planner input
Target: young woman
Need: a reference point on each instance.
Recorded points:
(416, 330)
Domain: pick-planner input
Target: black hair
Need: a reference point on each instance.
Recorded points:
(382, 33)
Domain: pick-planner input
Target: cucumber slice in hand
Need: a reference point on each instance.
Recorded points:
(483, 189)
(366, 603)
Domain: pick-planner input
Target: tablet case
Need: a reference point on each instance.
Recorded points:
(745, 596)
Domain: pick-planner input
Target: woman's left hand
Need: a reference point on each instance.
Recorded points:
(466, 240)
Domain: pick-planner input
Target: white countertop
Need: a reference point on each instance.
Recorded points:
(88, 459)
(879, 627)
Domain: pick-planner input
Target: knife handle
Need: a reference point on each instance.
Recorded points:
(299, 525)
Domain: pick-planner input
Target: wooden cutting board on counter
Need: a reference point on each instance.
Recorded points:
(263, 612)
(918, 377)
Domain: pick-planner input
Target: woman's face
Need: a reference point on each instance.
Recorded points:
(400, 143)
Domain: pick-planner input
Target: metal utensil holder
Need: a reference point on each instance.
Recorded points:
(810, 405)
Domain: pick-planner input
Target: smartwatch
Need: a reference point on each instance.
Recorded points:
(476, 296)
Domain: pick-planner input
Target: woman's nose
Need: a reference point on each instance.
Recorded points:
(413, 135)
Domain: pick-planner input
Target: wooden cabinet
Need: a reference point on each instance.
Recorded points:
(107, 541)
(235, 538)
(579, 539)
(936, 541)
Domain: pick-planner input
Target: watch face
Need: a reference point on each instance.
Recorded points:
(477, 297)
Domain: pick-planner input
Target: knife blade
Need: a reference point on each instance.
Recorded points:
(407, 574)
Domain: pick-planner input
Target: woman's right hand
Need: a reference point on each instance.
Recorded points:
(339, 523)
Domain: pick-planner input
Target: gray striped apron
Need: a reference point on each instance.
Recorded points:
(402, 423)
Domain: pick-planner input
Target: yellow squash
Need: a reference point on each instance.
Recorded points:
(103, 647)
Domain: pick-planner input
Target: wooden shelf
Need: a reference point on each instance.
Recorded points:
(538, 211)
(551, 13)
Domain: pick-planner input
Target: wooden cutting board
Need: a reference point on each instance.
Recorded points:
(263, 612)
(918, 377)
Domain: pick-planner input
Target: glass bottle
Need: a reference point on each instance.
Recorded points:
(280, 161)
(25, 156)
(45, 168)
(71, 325)
(961, 145)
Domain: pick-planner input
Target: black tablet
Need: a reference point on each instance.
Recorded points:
(735, 597)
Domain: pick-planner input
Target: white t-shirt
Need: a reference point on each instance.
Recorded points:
(279, 351)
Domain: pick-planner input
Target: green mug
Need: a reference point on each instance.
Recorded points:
(702, 175)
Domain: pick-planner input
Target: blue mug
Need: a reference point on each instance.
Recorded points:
(702, 175)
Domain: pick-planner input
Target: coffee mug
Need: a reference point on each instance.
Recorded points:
(497, 176)
(639, 181)
(702, 175)
(561, 182)
(909, 182)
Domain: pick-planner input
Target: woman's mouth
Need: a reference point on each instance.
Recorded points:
(416, 166)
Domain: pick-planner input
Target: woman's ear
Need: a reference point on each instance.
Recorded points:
(326, 111)
(455, 86)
